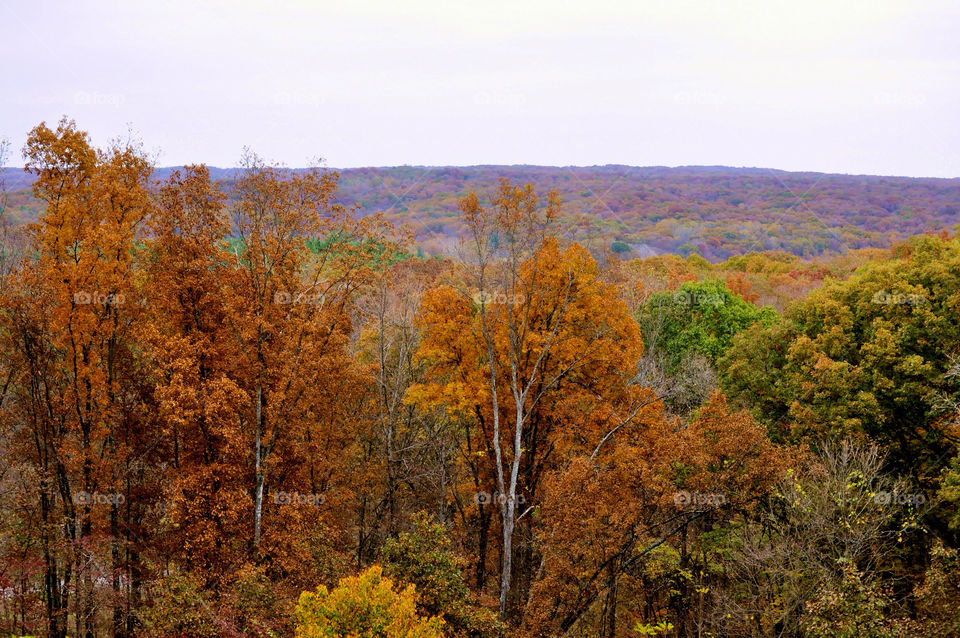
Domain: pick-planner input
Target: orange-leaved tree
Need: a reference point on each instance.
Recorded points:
(297, 259)
(534, 348)
(74, 397)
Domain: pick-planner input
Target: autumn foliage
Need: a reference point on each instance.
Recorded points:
(251, 409)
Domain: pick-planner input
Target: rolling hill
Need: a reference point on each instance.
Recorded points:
(638, 211)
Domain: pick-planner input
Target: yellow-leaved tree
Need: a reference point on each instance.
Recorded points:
(364, 606)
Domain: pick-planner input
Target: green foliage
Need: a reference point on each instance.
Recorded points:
(870, 355)
(365, 606)
(425, 558)
(380, 254)
(700, 317)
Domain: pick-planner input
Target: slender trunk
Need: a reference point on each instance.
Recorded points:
(51, 575)
(260, 478)
(509, 509)
(391, 480)
(505, 573)
(361, 534)
(133, 599)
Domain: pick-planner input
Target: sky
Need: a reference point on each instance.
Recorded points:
(846, 86)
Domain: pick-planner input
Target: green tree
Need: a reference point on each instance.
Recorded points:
(700, 317)
(180, 609)
(867, 356)
(425, 558)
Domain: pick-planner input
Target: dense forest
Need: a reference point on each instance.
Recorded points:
(253, 404)
(714, 212)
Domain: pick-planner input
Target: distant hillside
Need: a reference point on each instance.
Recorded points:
(713, 211)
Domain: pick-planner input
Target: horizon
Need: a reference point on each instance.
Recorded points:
(161, 167)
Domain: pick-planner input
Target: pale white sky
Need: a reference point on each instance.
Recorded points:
(829, 85)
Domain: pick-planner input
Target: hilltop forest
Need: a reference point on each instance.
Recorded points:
(714, 212)
(474, 402)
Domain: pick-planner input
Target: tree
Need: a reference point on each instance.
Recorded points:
(197, 394)
(298, 259)
(75, 400)
(180, 608)
(365, 606)
(635, 525)
(699, 317)
(537, 344)
(835, 509)
(407, 454)
(850, 609)
(867, 356)
(424, 558)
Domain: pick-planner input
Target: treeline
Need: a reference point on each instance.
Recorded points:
(265, 415)
(714, 212)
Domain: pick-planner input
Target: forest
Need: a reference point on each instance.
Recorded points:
(256, 404)
(635, 212)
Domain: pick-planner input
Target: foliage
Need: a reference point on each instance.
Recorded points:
(219, 389)
(180, 609)
(424, 558)
(850, 608)
(365, 606)
(716, 212)
(868, 356)
(699, 317)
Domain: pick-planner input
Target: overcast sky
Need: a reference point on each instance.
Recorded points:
(828, 85)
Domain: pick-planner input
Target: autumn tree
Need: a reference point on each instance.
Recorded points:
(366, 606)
(206, 508)
(623, 529)
(533, 346)
(409, 454)
(297, 260)
(424, 557)
(75, 398)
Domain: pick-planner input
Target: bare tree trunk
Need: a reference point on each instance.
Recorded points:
(509, 509)
(260, 479)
